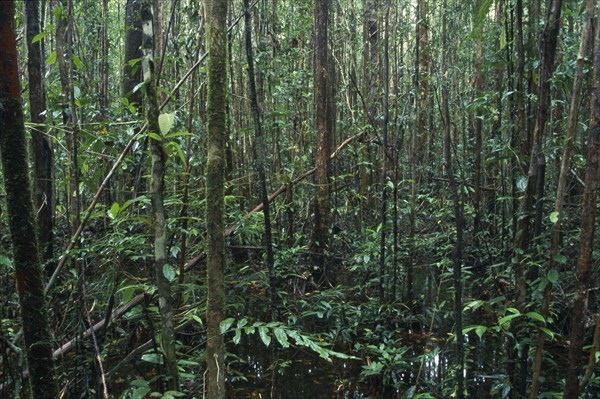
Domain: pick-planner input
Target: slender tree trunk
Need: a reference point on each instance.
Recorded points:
(132, 74)
(156, 194)
(386, 118)
(523, 236)
(29, 277)
(322, 199)
(561, 190)
(216, 14)
(260, 156)
(586, 241)
(456, 201)
(41, 147)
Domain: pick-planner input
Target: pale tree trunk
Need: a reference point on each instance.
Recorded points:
(586, 242)
(216, 41)
(42, 152)
(64, 43)
(156, 194)
(320, 236)
(561, 190)
(29, 277)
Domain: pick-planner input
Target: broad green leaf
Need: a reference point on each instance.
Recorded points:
(547, 332)
(480, 330)
(114, 210)
(155, 136)
(169, 272)
(51, 58)
(281, 337)
(198, 319)
(166, 122)
(553, 276)
(77, 62)
(508, 318)
(225, 324)
(5, 261)
(536, 316)
(238, 336)
(39, 37)
(554, 217)
(264, 336)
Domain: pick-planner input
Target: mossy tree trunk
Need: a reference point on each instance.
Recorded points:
(167, 340)
(13, 149)
(42, 153)
(216, 39)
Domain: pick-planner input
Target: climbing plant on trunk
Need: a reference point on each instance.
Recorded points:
(159, 159)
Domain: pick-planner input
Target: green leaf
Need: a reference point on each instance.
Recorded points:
(197, 319)
(77, 62)
(553, 276)
(166, 122)
(480, 330)
(547, 332)
(281, 336)
(137, 87)
(554, 217)
(6, 262)
(508, 318)
(154, 136)
(51, 58)
(39, 37)
(151, 358)
(536, 316)
(225, 324)
(114, 210)
(264, 336)
(169, 272)
(560, 259)
(238, 336)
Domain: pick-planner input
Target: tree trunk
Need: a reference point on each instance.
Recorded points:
(523, 236)
(456, 201)
(42, 152)
(13, 149)
(561, 190)
(216, 39)
(320, 236)
(132, 74)
(586, 241)
(386, 118)
(156, 195)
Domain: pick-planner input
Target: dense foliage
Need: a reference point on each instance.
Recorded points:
(432, 116)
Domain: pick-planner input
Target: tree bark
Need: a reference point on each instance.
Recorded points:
(216, 39)
(561, 191)
(13, 149)
(586, 241)
(320, 238)
(157, 196)
(132, 74)
(42, 152)
(260, 157)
